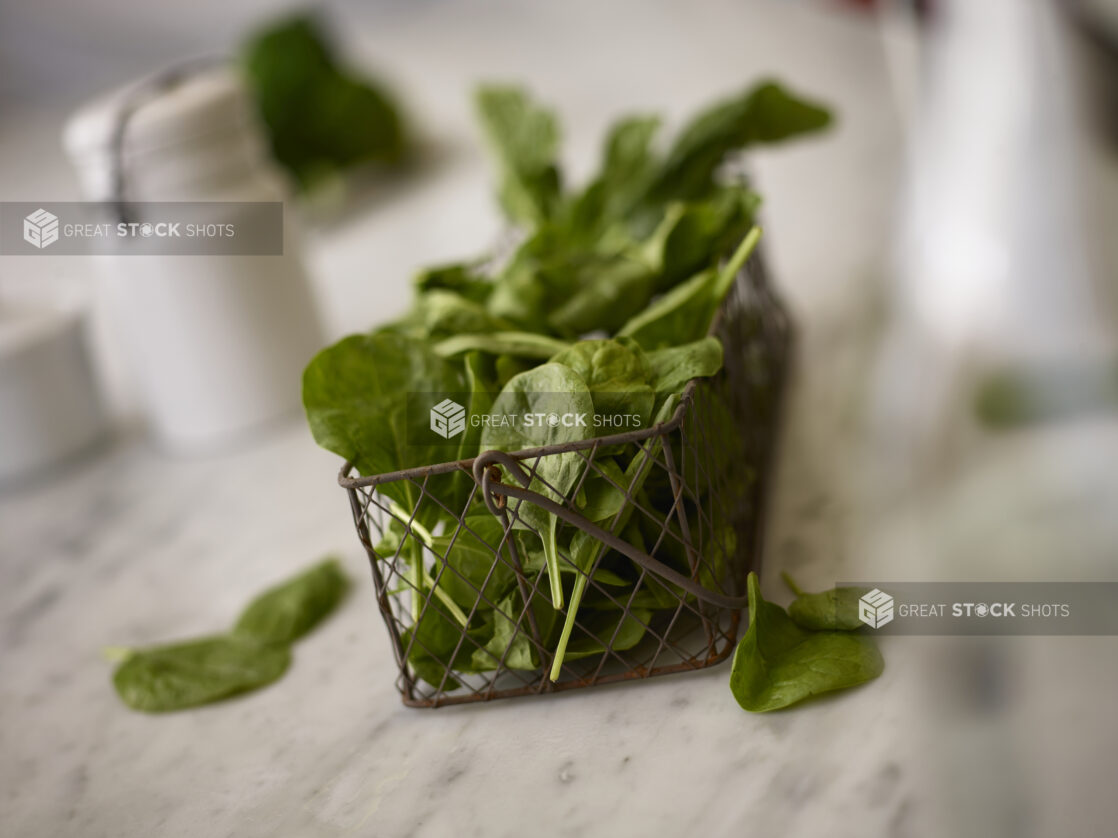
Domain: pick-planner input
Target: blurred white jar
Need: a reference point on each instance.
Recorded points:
(217, 343)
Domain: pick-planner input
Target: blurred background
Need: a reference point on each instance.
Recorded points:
(948, 251)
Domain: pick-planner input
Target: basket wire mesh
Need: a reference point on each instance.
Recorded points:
(681, 543)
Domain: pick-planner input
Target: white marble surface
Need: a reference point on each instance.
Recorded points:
(130, 546)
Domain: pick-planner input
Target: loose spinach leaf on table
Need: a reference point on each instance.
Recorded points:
(183, 675)
(777, 663)
(254, 653)
(286, 612)
(833, 610)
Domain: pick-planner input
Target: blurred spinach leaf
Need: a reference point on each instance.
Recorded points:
(256, 652)
(320, 117)
(288, 611)
(183, 675)
(777, 663)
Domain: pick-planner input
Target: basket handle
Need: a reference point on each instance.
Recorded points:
(492, 488)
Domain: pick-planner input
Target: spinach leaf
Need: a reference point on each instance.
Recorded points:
(548, 390)
(514, 644)
(430, 644)
(684, 314)
(693, 235)
(628, 163)
(673, 367)
(506, 366)
(766, 114)
(465, 280)
(599, 627)
(833, 610)
(355, 394)
(584, 547)
(778, 663)
(472, 563)
(525, 139)
(681, 315)
(518, 344)
(288, 611)
(610, 289)
(533, 561)
(519, 294)
(617, 374)
(255, 653)
(182, 675)
(444, 313)
(320, 119)
(602, 493)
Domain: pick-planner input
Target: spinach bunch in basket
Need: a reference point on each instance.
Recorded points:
(602, 310)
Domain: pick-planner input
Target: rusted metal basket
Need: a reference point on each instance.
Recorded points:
(690, 535)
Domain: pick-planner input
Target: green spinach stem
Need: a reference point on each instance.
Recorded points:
(568, 625)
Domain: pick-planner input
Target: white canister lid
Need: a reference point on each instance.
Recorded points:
(171, 109)
(179, 126)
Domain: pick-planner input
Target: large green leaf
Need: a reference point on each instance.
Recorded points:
(531, 399)
(778, 663)
(833, 610)
(286, 612)
(319, 118)
(617, 374)
(355, 394)
(685, 313)
(766, 114)
(519, 344)
(182, 675)
(671, 368)
(473, 568)
(525, 139)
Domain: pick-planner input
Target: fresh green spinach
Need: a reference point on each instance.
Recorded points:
(602, 310)
(184, 675)
(320, 118)
(256, 652)
(777, 663)
(833, 610)
(288, 611)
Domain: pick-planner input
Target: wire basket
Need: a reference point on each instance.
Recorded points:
(686, 533)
